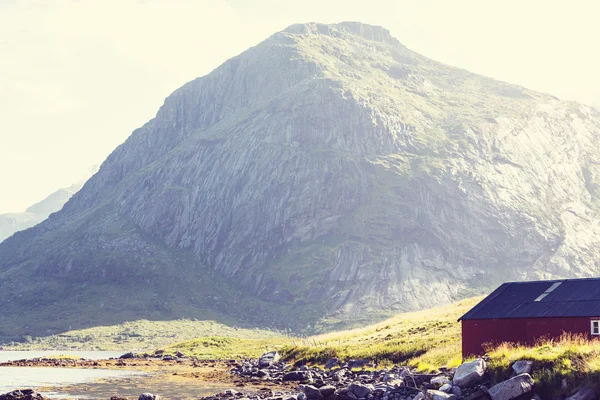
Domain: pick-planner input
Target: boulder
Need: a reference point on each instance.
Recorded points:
(24, 394)
(584, 393)
(513, 388)
(456, 391)
(149, 396)
(435, 395)
(522, 367)
(126, 356)
(468, 374)
(333, 362)
(180, 354)
(360, 390)
(327, 390)
(297, 376)
(268, 359)
(311, 392)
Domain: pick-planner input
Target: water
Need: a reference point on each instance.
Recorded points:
(94, 383)
(12, 378)
(88, 355)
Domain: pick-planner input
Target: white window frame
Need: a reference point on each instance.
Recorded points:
(597, 330)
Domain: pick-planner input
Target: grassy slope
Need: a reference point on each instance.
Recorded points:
(140, 335)
(426, 339)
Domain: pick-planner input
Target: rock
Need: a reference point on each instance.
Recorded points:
(468, 374)
(513, 388)
(435, 395)
(446, 388)
(333, 362)
(479, 394)
(357, 363)
(127, 355)
(301, 396)
(360, 390)
(268, 359)
(297, 376)
(456, 391)
(149, 396)
(180, 354)
(522, 367)
(312, 393)
(439, 380)
(327, 391)
(23, 394)
(586, 392)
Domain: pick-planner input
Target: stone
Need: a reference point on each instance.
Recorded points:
(439, 380)
(513, 388)
(435, 395)
(327, 391)
(297, 376)
(149, 396)
(456, 391)
(23, 394)
(522, 367)
(127, 355)
(301, 396)
(585, 392)
(332, 362)
(180, 354)
(312, 393)
(360, 390)
(479, 394)
(469, 373)
(446, 388)
(268, 359)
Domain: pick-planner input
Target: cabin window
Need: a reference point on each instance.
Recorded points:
(595, 327)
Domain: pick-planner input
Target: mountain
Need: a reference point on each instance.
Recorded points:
(14, 222)
(328, 171)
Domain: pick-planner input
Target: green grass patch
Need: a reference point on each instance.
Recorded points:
(218, 347)
(572, 360)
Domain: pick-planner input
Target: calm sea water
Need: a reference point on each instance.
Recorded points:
(12, 378)
(79, 383)
(89, 355)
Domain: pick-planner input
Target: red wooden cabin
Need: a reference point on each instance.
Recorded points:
(523, 312)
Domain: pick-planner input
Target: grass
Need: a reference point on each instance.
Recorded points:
(140, 335)
(218, 347)
(571, 358)
(425, 339)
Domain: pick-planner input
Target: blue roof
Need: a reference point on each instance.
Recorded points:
(558, 298)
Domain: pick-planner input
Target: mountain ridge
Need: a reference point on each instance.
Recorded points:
(334, 172)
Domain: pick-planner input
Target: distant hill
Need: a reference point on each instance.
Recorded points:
(15, 222)
(328, 172)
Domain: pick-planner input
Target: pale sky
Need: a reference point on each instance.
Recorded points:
(77, 76)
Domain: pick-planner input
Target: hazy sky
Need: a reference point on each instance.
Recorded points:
(77, 76)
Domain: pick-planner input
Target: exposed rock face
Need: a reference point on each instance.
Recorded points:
(331, 165)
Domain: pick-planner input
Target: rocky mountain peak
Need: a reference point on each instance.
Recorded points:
(319, 175)
(366, 31)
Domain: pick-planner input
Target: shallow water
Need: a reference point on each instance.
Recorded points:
(12, 378)
(96, 383)
(89, 355)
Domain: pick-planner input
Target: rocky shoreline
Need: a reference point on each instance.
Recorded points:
(269, 378)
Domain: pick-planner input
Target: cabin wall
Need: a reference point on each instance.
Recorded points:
(476, 333)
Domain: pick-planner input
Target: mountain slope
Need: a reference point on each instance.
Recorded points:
(331, 171)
